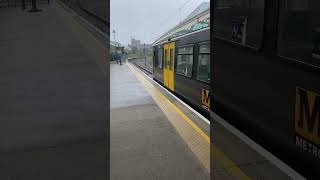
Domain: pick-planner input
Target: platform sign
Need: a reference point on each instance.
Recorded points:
(205, 98)
(307, 121)
(119, 50)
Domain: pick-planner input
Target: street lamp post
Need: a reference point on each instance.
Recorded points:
(144, 52)
(115, 45)
(140, 52)
(114, 37)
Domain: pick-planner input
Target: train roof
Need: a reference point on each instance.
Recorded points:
(180, 36)
(198, 20)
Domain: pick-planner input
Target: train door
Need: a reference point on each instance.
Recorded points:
(168, 70)
(165, 66)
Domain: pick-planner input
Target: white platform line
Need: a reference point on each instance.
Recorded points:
(186, 105)
(270, 157)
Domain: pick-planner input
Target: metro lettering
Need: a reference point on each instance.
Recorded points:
(307, 146)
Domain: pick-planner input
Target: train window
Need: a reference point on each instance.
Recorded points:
(299, 30)
(240, 21)
(165, 59)
(203, 71)
(160, 54)
(171, 59)
(185, 61)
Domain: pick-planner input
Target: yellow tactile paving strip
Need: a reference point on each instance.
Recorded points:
(197, 140)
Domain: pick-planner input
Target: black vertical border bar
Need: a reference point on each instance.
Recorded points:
(212, 6)
(107, 31)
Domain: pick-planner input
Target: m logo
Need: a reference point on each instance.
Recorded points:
(206, 98)
(307, 115)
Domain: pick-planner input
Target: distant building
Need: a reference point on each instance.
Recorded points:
(135, 43)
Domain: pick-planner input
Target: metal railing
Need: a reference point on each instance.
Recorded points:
(145, 64)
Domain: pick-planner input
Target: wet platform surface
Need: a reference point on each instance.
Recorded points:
(146, 143)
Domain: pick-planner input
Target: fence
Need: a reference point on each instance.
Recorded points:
(145, 64)
(21, 3)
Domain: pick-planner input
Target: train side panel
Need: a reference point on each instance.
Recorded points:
(261, 90)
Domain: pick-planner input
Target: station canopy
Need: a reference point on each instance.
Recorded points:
(196, 20)
(115, 44)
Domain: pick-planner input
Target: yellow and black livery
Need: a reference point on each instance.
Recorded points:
(182, 65)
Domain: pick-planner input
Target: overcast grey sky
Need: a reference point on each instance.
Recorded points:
(147, 19)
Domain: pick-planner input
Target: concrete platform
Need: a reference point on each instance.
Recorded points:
(144, 143)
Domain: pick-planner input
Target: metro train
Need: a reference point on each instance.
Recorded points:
(266, 75)
(182, 65)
